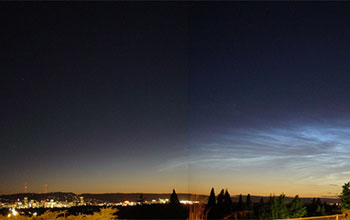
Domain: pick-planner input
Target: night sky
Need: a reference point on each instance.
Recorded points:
(135, 97)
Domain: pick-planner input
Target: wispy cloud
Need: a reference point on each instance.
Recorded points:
(304, 153)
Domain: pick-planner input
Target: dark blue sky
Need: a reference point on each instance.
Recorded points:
(269, 96)
(276, 62)
(130, 97)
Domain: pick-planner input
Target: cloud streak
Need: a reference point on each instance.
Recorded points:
(315, 154)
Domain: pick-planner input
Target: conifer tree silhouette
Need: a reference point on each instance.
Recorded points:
(227, 202)
(345, 196)
(248, 203)
(174, 200)
(211, 200)
(297, 210)
(220, 198)
(240, 203)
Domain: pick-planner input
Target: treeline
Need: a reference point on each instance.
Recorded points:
(173, 210)
(222, 206)
(217, 207)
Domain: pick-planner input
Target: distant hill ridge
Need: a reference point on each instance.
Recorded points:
(118, 197)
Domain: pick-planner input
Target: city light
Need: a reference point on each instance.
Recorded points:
(28, 203)
(13, 212)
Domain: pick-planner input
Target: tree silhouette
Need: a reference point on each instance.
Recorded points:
(219, 210)
(249, 207)
(278, 207)
(317, 208)
(273, 208)
(211, 200)
(282, 210)
(312, 207)
(320, 210)
(261, 211)
(174, 200)
(227, 202)
(211, 206)
(220, 198)
(248, 203)
(297, 210)
(345, 196)
(240, 203)
(141, 200)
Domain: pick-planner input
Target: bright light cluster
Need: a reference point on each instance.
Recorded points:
(13, 212)
(42, 204)
(188, 202)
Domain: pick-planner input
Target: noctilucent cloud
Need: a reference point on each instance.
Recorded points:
(311, 159)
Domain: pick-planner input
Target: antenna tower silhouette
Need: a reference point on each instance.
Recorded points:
(45, 188)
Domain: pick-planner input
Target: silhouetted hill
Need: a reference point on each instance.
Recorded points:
(288, 199)
(117, 197)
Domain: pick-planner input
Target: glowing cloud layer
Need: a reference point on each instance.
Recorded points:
(306, 159)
